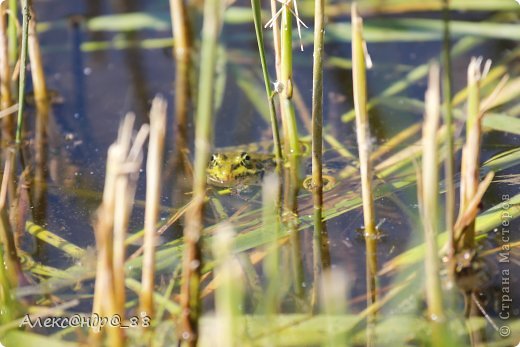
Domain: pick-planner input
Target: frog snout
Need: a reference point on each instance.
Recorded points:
(225, 175)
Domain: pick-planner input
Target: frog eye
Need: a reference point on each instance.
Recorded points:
(213, 158)
(245, 156)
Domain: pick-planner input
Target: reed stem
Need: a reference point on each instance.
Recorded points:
(364, 147)
(257, 16)
(470, 154)
(23, 70)
(182, 52)
(153, 192)
(317, 145)
(449, 161)
(192, 260)
(13, 33)
(5, 79)
(430, 207)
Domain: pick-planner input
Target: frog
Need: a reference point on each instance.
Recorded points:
(238, 169)
(241, 169)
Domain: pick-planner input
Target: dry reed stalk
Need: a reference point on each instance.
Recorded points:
(430, 194)
(153, 192)
(35, 59)
(470, 154)
(123, 165)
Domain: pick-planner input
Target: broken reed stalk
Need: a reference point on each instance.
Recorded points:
(257, 16)
(449, 162)
(123, 165)
(471, 152)
(364, 147)
(229, 295)
(192, 260)
(153, 195)
(430, 207)
(317, 145)
(23, 70)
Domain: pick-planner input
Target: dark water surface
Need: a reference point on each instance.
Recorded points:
(98, 87)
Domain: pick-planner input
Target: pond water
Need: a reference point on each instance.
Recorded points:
(98, 83)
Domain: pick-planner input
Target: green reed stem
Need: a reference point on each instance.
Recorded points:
(292, 147)
(12, 32)
(365, 163)
(257, 16)
(7, 300)
(23, 63)
(317, 143)
(449, 161)
(192, 260)
(430, 206)
(363, 139)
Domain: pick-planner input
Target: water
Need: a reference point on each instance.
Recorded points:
(98, 87)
